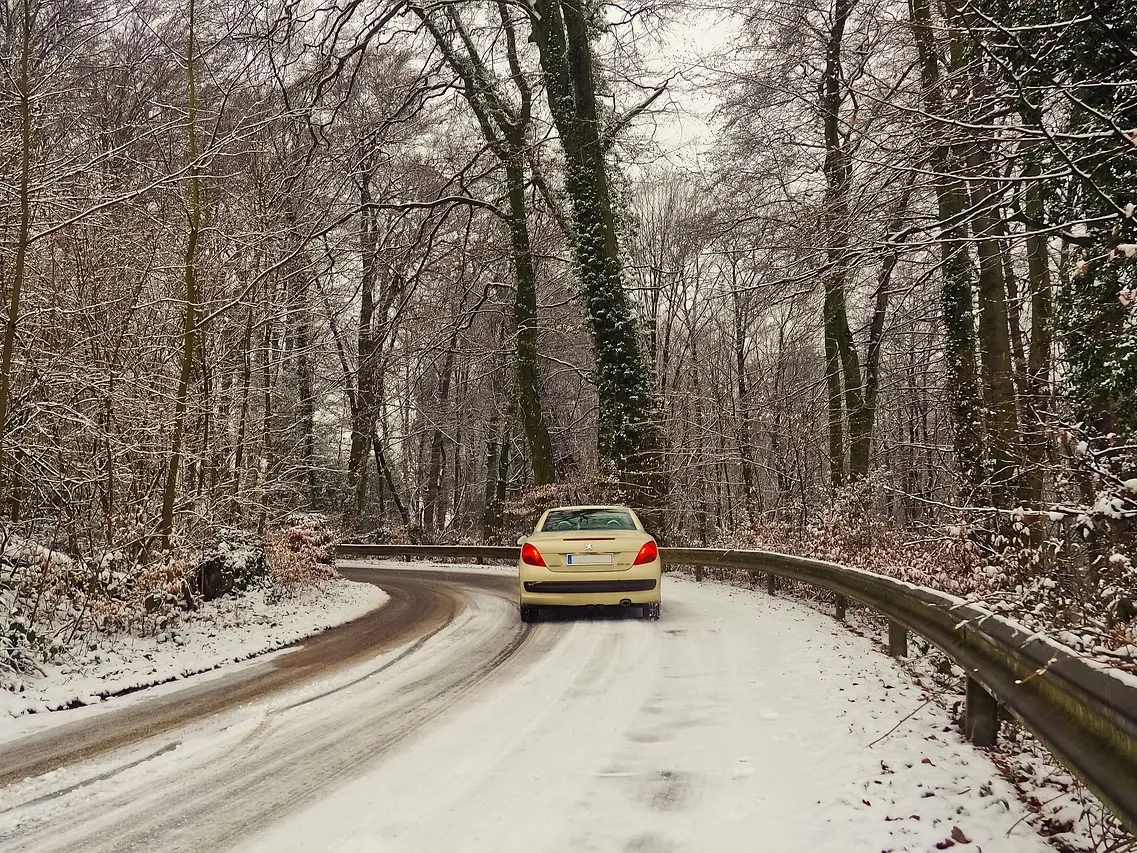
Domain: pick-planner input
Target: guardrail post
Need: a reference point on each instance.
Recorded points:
(841, 604)
(771, 583)
(897, 640)
(699, 573)
(981, 715)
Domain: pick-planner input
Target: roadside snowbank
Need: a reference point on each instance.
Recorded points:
(222, 631)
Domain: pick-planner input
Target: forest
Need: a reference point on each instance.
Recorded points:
(426, 268)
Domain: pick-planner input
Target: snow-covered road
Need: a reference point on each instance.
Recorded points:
(735, 723)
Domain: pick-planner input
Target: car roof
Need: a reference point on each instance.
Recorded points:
(589, 506)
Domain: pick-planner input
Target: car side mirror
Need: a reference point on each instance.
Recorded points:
(521, 539)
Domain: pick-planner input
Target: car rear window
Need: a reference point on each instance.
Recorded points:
(588, 519)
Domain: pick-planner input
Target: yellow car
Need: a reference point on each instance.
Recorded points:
(589, 555)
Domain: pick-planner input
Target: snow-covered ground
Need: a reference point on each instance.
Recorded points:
(735, 723)
(229, 629)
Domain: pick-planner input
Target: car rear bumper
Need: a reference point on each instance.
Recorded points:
(591, 586)
(638, 585)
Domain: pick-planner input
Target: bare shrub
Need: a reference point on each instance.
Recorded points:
(301, 553)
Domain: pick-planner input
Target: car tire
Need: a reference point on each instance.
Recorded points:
(528, 613)
(651, 611)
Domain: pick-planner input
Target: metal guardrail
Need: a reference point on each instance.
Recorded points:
(505, 553)
(1085, 714)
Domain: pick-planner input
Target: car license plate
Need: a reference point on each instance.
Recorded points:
(588, 559)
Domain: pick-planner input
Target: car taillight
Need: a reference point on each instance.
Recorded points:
(530, 555)
(648, 554)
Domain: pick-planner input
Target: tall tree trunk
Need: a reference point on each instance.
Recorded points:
(502, 490)
(363, 413)
(218, 453)
(751, 494)
(842, 366)
(525, 315)
(862, 418)
(189, 321)
(431, 516)
(490, 490)
(1041, 327)
(836, 407)
(957, 271)
(268, 450)
(505, 130)
(302, 360)
(384, 469)
(628, 433)
(242, 419)
(785, 481)
(997, 370)
(23, 231)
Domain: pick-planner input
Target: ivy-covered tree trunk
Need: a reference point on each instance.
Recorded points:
(628, 436)
(368, 345)
(851, 396)
(997, 372)
(956, 269)
(1097, 325)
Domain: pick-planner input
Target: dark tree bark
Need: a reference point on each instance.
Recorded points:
(366, 402)
(957, 271)
(189, 317)
(533, 419)
(14, 287)
(628, 434)
(242, 418)
(1041, 327)
(506, 129)
(851, 395)
(996, 368)
(432, 516)
(380, 290)
(751, 494)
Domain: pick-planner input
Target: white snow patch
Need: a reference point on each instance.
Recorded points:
(224, 631)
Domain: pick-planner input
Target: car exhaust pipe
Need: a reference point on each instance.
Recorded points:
(627, 602)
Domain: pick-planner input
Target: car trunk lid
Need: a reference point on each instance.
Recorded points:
(586, 551)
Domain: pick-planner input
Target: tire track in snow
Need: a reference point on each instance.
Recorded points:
(298, 748)
(414, 609)
(736, 723)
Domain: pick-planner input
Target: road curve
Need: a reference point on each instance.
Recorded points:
(416, 608)
(736, 723)
(311, 695)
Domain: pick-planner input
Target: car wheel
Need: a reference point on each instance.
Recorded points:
(651, 611)
(528, 613)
